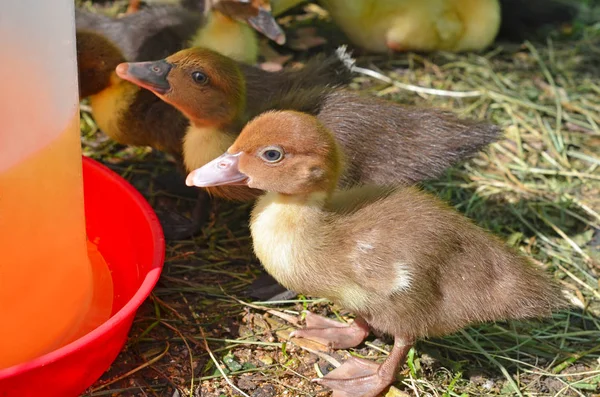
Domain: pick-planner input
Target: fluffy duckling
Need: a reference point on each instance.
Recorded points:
(409, 25)
(452, 25)
(412, 25)
(134, 116)
(404, 262)
(159, 31)
(419, 143)
(123, 111)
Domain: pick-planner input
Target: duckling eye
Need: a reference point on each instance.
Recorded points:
(199, 77)
(272, 154)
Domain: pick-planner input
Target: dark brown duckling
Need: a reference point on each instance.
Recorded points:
(403, 261)
(122, 110)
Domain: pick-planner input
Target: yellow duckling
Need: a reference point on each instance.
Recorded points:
(411, 25)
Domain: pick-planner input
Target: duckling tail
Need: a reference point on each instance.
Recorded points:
(533, 294)
(481, 134)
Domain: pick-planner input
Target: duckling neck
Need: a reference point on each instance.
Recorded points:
(203, 143)
(111, 103)
(228, 37)
(235, 120)
(287, 232)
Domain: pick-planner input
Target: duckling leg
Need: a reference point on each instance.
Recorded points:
(332, 333)
(363, 378)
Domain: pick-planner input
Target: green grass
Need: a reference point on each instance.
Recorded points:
(538, 188)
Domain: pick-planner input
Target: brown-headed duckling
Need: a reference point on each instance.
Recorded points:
(403, 261)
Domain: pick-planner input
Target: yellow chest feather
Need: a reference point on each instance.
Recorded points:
(203, 144)
(110, 104)
(281, 242)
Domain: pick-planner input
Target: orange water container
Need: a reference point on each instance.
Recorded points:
(50, 291)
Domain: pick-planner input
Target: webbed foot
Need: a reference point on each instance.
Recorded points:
(358, 377)
(333, 333)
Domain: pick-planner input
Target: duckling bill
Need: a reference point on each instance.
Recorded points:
(405, 262)
(149, 75)
(257, 13)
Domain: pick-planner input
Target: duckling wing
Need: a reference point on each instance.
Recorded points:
(414, 256)
(387, 143)
(368, 222)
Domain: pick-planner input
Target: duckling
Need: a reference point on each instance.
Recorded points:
(403, 261)
(420, 143)
(150, 33)
(409, 25)
(123, 111)
(451, 25)
(156, 32)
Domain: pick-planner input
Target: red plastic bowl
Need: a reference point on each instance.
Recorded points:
(131, 241)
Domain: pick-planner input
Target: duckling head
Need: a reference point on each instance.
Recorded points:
(257, 13)
(285, 152)
(97, 58)
(207, 87)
